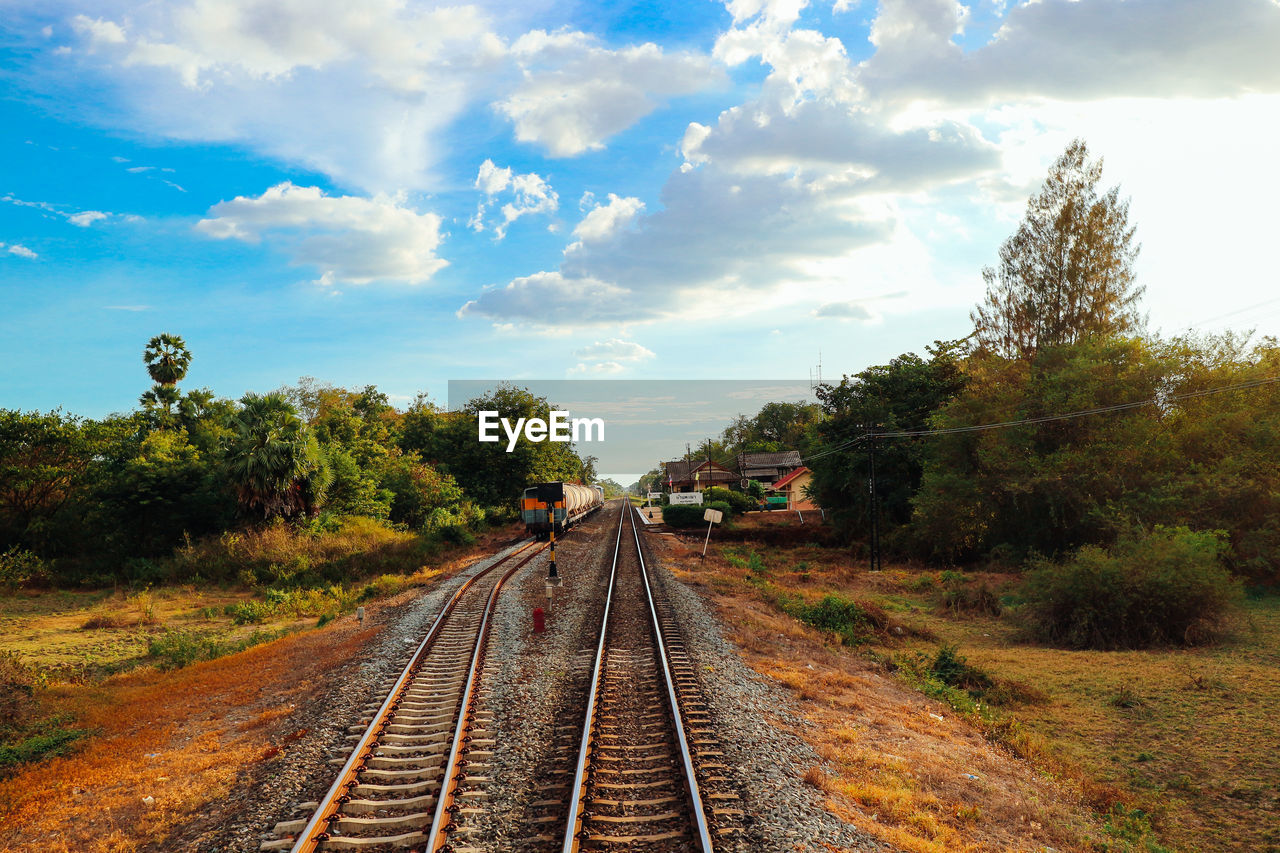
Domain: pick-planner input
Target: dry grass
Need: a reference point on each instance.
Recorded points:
(193, 739)
(1188, 736)
(901, 766)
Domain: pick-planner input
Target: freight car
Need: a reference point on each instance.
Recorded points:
(561, 504)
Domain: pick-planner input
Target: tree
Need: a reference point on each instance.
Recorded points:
(587, 469)
(901, 395)
(167, 359)
(1067, 272)
(274, 460)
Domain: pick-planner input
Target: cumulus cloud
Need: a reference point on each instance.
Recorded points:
(778, 197)
(576, 94)
(86, 218)
(529, 194)
(844, 311)
(19, 250)
(1076, 49)
(614, 349)
(348, 238)
(605, 219)
(550, 299)
(597, 368)
(366, 93)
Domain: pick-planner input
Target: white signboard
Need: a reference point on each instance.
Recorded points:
(655, 496)
(713, 515)
(678, 498)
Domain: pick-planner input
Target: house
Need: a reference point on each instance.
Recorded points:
(767, 467)
(682, 476)
(793, 485)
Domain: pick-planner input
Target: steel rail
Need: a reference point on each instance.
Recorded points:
(437, 836)
(690, 777)
(308, 838)
(574, 824)
(572, 837)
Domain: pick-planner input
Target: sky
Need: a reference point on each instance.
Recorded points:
(402, 194)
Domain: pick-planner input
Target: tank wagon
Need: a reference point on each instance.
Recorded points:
(561, 504)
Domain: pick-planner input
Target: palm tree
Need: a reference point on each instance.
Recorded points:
(274, 460)
(161, 397)
(167, 359)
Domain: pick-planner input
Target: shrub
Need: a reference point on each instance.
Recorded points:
(853, 621)
(690, 515)
(960, 596)
(737, 501)
(176, 649)
(950, 667)
(19, 566)
(1168, 586)
(17, 689)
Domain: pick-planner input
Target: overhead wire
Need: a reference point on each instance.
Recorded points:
(1098, 410)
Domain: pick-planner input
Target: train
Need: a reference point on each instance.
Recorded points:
(557, 505)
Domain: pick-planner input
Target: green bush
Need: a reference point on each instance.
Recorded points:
(690, 515)
(855, 622)
(1168, 586)
(48, 741)
(176, 649)
(739, 502)
(19, 566)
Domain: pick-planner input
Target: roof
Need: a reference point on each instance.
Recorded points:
(681, 471)
(790, 477)
(783, 459)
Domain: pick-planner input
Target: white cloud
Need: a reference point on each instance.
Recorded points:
(598, 368)
(530, 194)
(606, 219)
(844, 311)
(82, 218)
(366, 92)
(576, 94)
(614, 349)
(349, 238)
(777, 199)
(1076, 49)
(549, 299)
(86, 218)
(19, 250)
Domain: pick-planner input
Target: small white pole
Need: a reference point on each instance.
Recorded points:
(708, 539)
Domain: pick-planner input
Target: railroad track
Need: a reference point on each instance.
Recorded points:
(414, 764)
(648, 774)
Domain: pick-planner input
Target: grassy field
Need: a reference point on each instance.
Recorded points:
(1171, 749)
(130, 715)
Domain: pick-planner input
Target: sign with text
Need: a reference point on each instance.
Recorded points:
(678, 498)
(714, 516)
(655, 496)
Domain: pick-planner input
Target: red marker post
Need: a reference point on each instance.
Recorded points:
(539, 620)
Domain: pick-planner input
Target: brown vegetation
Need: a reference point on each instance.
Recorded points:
(1054, 753)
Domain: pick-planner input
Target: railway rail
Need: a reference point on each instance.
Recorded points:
(410, 768)
(635, 764)
(645, 756)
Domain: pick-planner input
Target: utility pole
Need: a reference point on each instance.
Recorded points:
(875, 508)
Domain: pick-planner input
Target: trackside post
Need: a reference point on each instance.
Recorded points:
(711, 516)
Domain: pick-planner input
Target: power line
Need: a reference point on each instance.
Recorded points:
(1137, 404)
(1085, 412)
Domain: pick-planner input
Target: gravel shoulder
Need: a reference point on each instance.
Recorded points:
(755, 722)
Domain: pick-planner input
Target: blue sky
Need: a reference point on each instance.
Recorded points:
(409, 193)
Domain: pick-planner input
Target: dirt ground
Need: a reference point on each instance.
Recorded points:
(168, 748)
(1154, 750)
